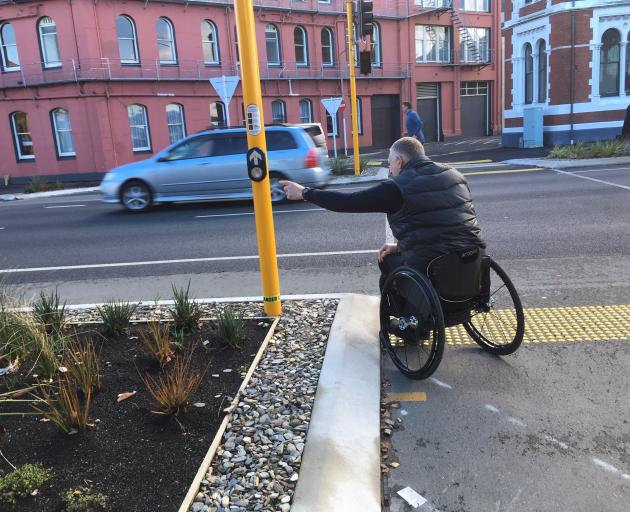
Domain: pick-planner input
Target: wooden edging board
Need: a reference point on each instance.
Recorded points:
(205, 464)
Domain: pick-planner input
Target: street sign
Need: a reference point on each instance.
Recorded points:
(342, 106)
(256, 164)
(332, 105)
(225, 87)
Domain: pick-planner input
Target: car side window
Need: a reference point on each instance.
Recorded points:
(280, 140)
(199, 147)
(230, 144)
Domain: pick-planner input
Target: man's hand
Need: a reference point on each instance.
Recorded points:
(385, 250)
(292, 190)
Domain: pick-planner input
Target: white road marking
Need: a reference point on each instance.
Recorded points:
(605, 169)
(440, 383)
(606, 467)
(66, 206)
(2, 228)
(188, 260)
(592, 179)
(517, 422)
(252, 213)
(555, 441)
(491, 408)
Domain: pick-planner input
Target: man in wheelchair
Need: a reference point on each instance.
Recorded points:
(428, 206)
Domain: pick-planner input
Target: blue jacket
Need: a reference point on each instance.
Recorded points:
(414, 125)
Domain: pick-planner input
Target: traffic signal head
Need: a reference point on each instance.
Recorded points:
(365, 62)
(366, 18)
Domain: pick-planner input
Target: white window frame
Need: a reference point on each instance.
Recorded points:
(443, 46)
(376, 47)
(181, 124)
(57, 130)
(283, 108)
(309, 105)
(271, 29)
(4, 49)
(475, 5)
(476, 35)
(331, 47)
(220, 106)
(16, 137)
(540, 72)
(48, 62)
(144, 126)
(360, 115)
(212, 43)
(134, 38)
(170, 42)
(303, 45)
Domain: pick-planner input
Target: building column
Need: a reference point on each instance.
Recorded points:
(517, 81)
(596, 49)
(623, 64)
(535, 80)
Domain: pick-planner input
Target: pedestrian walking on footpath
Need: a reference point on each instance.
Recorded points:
(413, 122)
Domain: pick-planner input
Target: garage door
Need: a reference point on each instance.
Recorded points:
(474, 109)
(428, 107)
(385, 119)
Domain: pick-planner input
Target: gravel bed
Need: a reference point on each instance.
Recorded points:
(256, 467)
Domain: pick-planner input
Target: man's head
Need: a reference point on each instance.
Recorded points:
(402, 151)
(406, 107)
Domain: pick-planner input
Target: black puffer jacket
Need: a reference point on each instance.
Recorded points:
(437, 216)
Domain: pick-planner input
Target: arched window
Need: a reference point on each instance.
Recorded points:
(62, 131)
(610, 63)
(127, 40)
(301, 46)
(272, 40)
(217, 114)
(210, 42)
(139, 126)
(306, 111)
(8, 48)
(328, 47)
(166, 41)
(278, 112)
(542, 71)
(48, 42)
(175, 122)
(529, 74)
(22, 136)
(375, 46)
(360, 115)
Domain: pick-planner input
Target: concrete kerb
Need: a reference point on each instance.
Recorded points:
(552, 163)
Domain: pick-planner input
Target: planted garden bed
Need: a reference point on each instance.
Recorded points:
(133, 453)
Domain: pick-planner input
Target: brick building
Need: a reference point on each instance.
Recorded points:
(571, 60)
(87, 85)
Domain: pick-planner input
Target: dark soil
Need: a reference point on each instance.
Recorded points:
(139, 460)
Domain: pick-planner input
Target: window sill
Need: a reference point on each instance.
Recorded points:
(22, 160)
(11, 70)
(142, 151)
(169, 64)
(212, 64)
(57, 66)
(131, 64)
(67, 157)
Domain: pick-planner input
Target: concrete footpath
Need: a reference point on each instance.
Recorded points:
(552, 163)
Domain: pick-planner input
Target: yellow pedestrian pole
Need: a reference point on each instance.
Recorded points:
(353, 89)
(257, 155)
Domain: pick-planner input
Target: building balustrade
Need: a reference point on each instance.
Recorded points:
(112, 69)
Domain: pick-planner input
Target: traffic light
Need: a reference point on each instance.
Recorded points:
(365, 62)
(366, 17)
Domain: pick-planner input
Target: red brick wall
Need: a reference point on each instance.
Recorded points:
(509, 67)
(534, 7)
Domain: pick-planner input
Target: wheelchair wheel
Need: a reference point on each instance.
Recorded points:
(498, 325)
(412, 323)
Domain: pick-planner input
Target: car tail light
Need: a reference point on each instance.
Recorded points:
(312, 159)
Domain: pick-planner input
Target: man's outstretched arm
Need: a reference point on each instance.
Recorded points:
(384, 197)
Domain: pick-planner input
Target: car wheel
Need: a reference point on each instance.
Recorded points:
(277, 190)
(136, 196)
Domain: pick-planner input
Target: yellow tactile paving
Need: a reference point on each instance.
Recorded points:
(558, 324)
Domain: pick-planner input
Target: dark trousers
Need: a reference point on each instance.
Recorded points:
(390, 263)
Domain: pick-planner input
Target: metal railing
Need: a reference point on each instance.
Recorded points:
(484, 57)
(115, 70)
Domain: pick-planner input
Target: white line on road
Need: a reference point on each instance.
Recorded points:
(517, 422)
(604, 169)
(491, 408)
(553, 440)
(1, 228)
(592, 179)
(252, 213)
(440, 383)
(66, 206)
(189, 260)
(610, 468)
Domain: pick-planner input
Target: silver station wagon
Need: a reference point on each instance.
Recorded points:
(211, 166)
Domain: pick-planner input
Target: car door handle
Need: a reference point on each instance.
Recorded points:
(205, 163)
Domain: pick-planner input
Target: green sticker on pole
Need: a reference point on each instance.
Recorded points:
(256, 164)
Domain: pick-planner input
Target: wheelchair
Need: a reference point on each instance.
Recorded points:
(464, 288)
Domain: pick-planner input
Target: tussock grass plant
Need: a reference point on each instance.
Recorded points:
(50, 348)
(338, 166)
(116, 316)
(83, 363)
(67, 406)
(14, 343)
(230, 327)
(49, 311)
(158, 342)
(186, 312)
(22, 481)
(84, 499)
(172, 391)
(603, 149)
